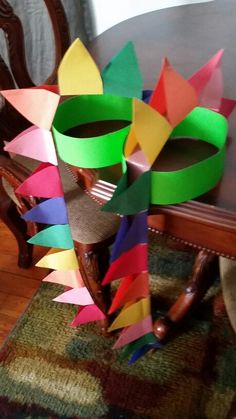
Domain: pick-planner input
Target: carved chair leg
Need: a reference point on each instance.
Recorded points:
(11, 218)
(205, 271)
(93, 265)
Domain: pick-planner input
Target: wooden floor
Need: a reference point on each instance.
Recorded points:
(17, 286)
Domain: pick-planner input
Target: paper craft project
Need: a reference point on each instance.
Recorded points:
(36, 143)
(170, 111)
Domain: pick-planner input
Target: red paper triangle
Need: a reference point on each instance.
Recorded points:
(131, 262)
(138, 288)
(44, 182)
(88, 314)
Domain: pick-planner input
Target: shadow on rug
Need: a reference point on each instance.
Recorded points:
(49, 370)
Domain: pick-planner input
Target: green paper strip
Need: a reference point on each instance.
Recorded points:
(193, 181)
(130, 200)
(95, 152)
(58, 236)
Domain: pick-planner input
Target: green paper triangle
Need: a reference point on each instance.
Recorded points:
(58, 236)
(130, 200)
(122, 76)
(137, 344)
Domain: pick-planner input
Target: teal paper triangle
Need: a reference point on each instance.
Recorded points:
(58, 236)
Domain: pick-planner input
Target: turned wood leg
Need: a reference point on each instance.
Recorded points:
(12, 219)
(205, 271)
(93, 265)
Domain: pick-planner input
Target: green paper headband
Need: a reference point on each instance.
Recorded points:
(95, 152)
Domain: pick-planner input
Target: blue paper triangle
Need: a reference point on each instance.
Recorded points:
(50, 211)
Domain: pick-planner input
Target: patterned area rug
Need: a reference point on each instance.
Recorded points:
(48, 370)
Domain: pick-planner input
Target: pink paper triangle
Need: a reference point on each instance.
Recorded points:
(207, 81)
(136, 331)
(71, 279)
(88, 314)
(78, 296)
(131, 262)
(44, 182)
(36, 143)
(36, 105)
(137, 289)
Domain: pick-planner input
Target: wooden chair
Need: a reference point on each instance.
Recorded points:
(92, 230)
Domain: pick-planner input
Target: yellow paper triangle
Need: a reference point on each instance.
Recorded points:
(59, 260)
(130, 143)
(132, 314)
(78, 74)
(152, 130)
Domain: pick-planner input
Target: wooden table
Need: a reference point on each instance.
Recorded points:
(188, 36)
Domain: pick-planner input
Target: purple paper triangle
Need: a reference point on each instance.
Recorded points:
(50, 211)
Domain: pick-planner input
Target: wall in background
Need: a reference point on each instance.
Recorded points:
(107, 13)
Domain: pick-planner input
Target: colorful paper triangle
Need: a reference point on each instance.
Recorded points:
(88, 314)
(51, 211)
(122, 76)
(36, 143)
(70, 278)
(134, 332)
(128, 200)
(136, 290)
(173, 96)
(36, 105)
(59, 260)
(44, 182)
(149, 338)
(131, 232)
(58, 236)
(131, 262)
(132, 314)
(78, 74)
(78, 296)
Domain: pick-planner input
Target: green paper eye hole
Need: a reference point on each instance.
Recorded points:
(107, 118)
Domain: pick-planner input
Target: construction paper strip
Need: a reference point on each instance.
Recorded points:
(94, 152)
(58, 236)
(36, 105)
(78, 73)
(79, 296)
(151, 129)
(137, 289)
(132, 314)
(88, 314)
(193, 181)
(122, 76)
(72, 278)
(45, 182)
(36, 143)
(60, 260)
(173, 96)
(131, 262)
(149, 338)
(130, 200)
(51, 211)
(200, 79)
(134, 332)
(131, 232)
